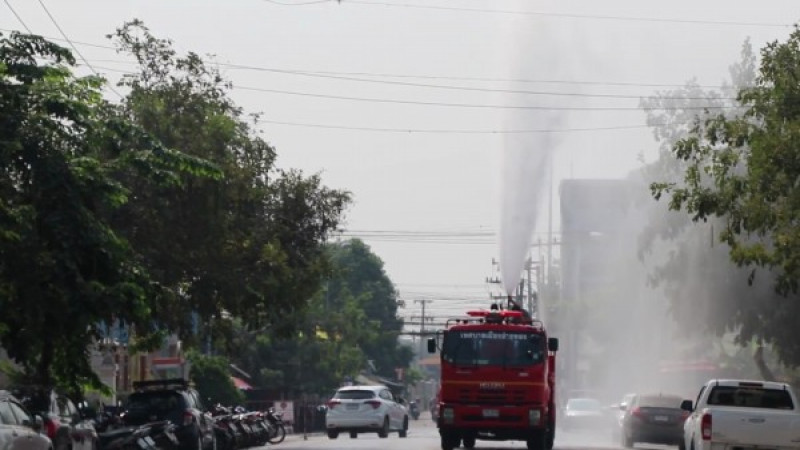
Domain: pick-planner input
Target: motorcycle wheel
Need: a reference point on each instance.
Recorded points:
(279, 436)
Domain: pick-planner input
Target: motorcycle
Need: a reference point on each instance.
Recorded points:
(150, 436)
(275, 419)
(413, 410)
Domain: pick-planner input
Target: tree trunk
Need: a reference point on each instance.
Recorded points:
(765, 371)
(45, 359)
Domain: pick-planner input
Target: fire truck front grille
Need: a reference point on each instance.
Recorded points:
(498, 397)
(477, 418)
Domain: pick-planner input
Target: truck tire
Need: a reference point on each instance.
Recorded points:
(551, 435)
(537, 440)
(469, 441)
(450, 440)
(333, 434)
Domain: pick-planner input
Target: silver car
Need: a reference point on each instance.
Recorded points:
(18, 429)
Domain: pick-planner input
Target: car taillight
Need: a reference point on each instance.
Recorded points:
(333, 403)
(374, 403)
(188, 417)
(685, 415)
(50, 427)
(705, 426)
(637, 412)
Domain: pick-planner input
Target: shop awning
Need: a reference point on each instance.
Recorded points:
(241, 384)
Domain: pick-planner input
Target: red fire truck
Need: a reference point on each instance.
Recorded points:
(497, 379)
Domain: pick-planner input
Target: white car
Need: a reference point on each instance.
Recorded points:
(745, 414)
(365, 409)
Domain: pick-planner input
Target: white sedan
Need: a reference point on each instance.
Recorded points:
(365, 409)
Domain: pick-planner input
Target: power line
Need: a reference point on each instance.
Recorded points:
(78, 52)
(412, 76)
(450, 131)
(17, 16)
(310, 2)
(570, 15)
(465, 88)
(464, 105)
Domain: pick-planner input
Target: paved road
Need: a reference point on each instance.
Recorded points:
(423, 435)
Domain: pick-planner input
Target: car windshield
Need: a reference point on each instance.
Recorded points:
(493, 348)
(355, 394)
(583, 404)
(750, 397)
(659, 401)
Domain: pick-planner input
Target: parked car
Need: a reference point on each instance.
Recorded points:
(653, 419)
(363, 409)
(583, 414)
(176, 401)
(62, 422)
(19, 430)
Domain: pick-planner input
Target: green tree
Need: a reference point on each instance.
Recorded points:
(739, 172)
(211, 375)
(247, 245)
(352, 319)
(360, 272)
(64, 269)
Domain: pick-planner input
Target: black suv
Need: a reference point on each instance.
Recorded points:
(175, 401)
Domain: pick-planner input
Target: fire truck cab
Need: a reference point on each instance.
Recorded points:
(497, 380)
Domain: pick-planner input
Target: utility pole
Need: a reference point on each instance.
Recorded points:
(422, 324)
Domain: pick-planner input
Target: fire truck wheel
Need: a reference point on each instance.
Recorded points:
(384, 432)
(469, 441)
(551, 436)
(537, 441)
(450, 441)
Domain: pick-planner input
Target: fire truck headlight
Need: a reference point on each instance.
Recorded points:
(533, 416)
(448, 415)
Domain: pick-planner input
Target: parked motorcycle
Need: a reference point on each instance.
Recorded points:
(278, 428)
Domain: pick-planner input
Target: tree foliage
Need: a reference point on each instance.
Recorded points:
(249, 243)
(351, 320)
(64, 268)
(738, 171)
(211, 375)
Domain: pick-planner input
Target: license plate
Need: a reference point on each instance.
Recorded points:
(353, 406)
(661, 418)
(491, 413)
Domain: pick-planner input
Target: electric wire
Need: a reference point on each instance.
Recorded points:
(13, 11)
(463, 105)
(74, 47)
(398, 75)
(570, 15)
(465, 88)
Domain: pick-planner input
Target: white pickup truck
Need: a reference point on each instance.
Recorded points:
(742, 415)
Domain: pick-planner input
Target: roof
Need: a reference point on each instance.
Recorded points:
(751, 383)
(376, 387)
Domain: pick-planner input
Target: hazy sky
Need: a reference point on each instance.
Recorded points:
(436, 195)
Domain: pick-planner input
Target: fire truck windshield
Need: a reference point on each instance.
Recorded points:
(493, 348)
